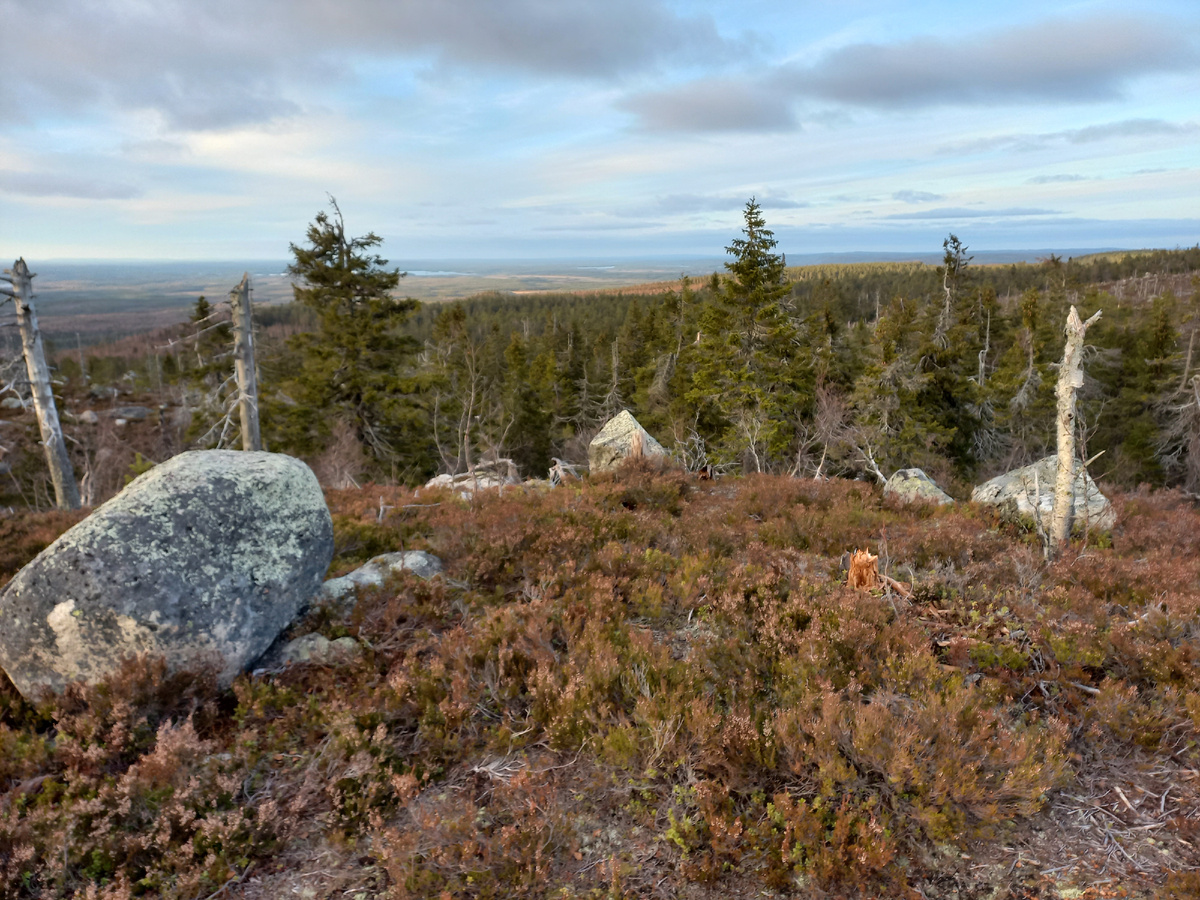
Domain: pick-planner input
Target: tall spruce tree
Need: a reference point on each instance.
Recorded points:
(356, 365)
(746, 372)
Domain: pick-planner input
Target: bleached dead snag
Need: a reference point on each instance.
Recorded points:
(1070, 380)
(243, 355)
(62, 474)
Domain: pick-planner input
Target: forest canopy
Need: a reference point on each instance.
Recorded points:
(818, 371)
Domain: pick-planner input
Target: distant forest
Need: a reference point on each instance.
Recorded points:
(840, 370)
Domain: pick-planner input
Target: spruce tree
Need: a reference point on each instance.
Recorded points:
(746, 376)
(355, 365)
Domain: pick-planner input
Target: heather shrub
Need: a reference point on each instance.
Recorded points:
(637, 673)
(129, 792)
(447, 844)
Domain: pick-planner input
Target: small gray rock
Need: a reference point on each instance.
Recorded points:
(621, 437)
(206, 557)
(89, 417)
(130, 413)
(486, 475)
(913, 485)
(318, 649)
(377, 570)
(420, 563)
(11, 403)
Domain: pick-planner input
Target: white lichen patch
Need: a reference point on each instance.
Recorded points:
(77, 654)
(67, 634)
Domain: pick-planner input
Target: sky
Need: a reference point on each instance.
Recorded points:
(172, 129)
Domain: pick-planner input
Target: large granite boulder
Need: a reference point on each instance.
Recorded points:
(204, 559)
(1028, 491)
(913, 485)
(621, 437)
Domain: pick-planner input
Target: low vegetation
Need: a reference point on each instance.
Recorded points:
(649, 685)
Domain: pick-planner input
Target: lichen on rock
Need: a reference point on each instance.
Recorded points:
(204, 559)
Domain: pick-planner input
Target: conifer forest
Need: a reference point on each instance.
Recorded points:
(841, 370)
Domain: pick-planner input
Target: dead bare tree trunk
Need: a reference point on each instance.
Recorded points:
(1070, 379)
(66, 492)
(243, 356)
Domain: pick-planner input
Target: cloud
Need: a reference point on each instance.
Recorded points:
(601, 225)
(45, 184)
(1085, 59)
(223, 63)
(691, 204)
(1092, 134)
(714, 105)
(564, 37)
(1054, 60)
(1126, 128)
(1055, 179)
(958, 212)
(916, 196)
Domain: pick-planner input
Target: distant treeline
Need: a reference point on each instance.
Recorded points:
(849, 370)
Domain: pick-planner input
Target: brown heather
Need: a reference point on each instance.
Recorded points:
(644, 685)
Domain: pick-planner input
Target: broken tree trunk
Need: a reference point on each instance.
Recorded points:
(62, 474)
(243, 355)
(863, 571)
(1070, 379)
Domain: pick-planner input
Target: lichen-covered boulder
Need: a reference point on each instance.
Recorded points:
(913, 485)
(204, 559)
(621, 437)
(1021, 492)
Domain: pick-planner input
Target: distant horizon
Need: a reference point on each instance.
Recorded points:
(1009, 254)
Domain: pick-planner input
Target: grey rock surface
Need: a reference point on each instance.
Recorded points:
(204, 559)
(488, 475)
(1027, 491)
(377, 570)
(11, 403)
(913, 485)
(318, 649)
(130, 413)
(618, 439)
(89, 417)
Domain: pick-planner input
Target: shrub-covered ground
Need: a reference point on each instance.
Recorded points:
(649, 686)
